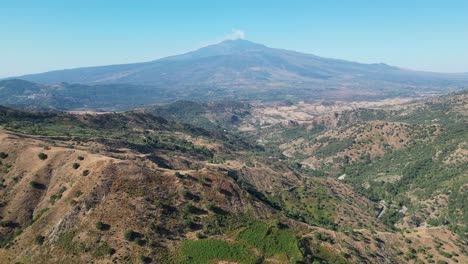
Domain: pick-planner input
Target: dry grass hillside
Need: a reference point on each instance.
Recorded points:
(133, 187)
(57, 212)
(124, 192)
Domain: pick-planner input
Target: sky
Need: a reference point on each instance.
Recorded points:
(38, 36)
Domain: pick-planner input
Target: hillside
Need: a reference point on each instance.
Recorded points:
(410, 156)
(239, 70)
(134, 187)
(31, 96)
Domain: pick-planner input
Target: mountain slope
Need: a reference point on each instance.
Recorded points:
(133, 187)
(27, 95)
(413, 156)
(236, 67)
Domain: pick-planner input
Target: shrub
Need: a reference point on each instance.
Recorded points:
(100, 225)
(75, 165)
(35, 184)
(39, 239)
(187, 208)
(7, 223)
(42, 156)
(188, 223)
(444, 253)
(102, 250)
(209, 207)
(80, 158)
(3, 155)
(409, 256)
(139, 241)
(199, 235)
(85, 172)
(110, 251)
(143, 259)
(324, 237)
(58, 195)
(184, 193)
(129, 235)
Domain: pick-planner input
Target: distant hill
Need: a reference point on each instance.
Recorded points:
(26, 95)
(240, 69)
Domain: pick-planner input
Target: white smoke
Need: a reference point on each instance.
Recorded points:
(235, 34)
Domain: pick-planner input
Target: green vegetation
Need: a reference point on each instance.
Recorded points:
(42, 156)
(36, 185)
(75, 165)
(409, 256)
(3, 155)
(333, 147)
(57, 196)
(85, 172)
(99, 225)
(38, 215)
(211, 250)
(67, 243)
(315, 206)
(421, 168)
(103, 250)
(132, 130)
(39, 239)
(251, 236)
(9, 234)
(143, 259)
(129, 235)
(271, 240)
(209, 207)
(324, 255)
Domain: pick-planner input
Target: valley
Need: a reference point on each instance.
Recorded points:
(231, 182)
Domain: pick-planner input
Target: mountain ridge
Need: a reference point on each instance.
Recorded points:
(230, 70)
(227, 47)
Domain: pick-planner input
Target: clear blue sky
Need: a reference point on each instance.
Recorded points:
(46, 35)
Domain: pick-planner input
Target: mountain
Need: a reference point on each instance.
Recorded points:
(241, 69)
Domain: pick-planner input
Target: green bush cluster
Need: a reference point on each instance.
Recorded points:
(42, 156)
(3, 155)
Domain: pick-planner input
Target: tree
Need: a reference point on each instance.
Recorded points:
(42, 156)
(129, 235)
(39, 239)
(99, 225)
